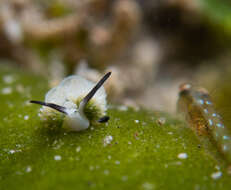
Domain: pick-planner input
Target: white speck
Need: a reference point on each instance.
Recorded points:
(144, 123)
(210, 122)
(197, 187)
(117, 162)
(124, 178)
(106, 172)
(214, 115)
(57, 157)
(216, 175)
(91, 168)
(123, 108)
(78, 149)
(18, 145)
(8, 79)
(129, 142)
(161, 121)
(137, 121)
(26, 117)
(206, 111)
(217, 167)
(12, 151)
(148, 186)
(28, 169)
(208, 102)
(170, 133)
(92, 128)
(55, 142)
(107, 140)
(109, 157)
(182, 156)
(201, 102)
(20, 88)
(225, 148)
(220, 125)
(226, 137)
(7, 90)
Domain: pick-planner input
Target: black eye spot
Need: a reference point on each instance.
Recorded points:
(104, 119)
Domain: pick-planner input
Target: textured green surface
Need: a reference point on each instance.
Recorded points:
(142, 155)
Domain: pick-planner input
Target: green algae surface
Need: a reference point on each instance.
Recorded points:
(132, 151)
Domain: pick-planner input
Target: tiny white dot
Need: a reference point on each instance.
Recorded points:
(208, 102)
(7, 90)
(201, 102)
(78, 149)
(57, 157)
(137, 121)
(124, 178)
(117, 162)
(106, 172)
(8, 79)
(107, 140)
(28, 169)
(226, 137)
(206, 111)
(123, 108)
(220, 125)
(148, 186)
(210, 122)
(26, 117)
(161, 121)
(91, 168)
(216, 175)
(182, 156)
(225, 147)
(214, 115)
(12, 151)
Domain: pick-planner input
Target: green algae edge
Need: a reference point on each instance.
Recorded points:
(142, 155)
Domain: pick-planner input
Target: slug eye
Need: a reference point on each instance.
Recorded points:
(104, 119)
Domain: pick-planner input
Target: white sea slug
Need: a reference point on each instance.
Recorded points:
(76, 103)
